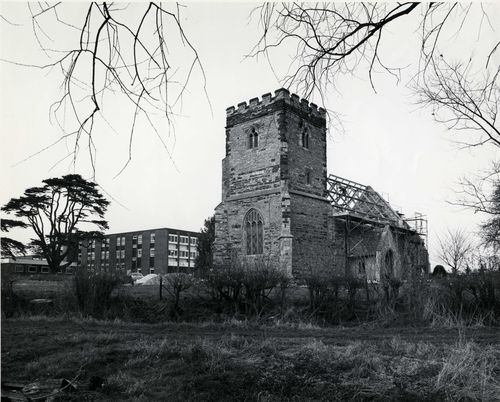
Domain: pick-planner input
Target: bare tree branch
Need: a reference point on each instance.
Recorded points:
(462, 102)
(113, 55)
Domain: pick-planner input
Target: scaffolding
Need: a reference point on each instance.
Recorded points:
(419, 224)
(361, 208)
(360, 200)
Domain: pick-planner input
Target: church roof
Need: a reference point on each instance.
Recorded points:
(349, 197)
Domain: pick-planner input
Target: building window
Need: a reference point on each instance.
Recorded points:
(253, 139)
(172, 253)
(139, 252)
(32, 269)
(194, 241)
(152, 238)
(19, 268)
(151, 252)
(254, 231)
(151, 270)
(389, 263)
(304, 140)
(139, 240)
(184, 240)
(172, 238)
(308, 177)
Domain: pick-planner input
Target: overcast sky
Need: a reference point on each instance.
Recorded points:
(387, 142)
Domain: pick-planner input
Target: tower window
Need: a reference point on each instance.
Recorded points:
(305, 138)
(308, 177)
(254, 231)
(253, 139)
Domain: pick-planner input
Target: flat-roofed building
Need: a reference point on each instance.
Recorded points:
(158, 251)
(31, 265)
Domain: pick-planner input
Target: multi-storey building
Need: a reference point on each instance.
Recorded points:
(157, 251)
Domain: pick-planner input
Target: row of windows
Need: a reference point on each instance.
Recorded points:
(253, 138)
(32, 269)
(182, 253)
(151, 270)
(137, 241)
(182, 239)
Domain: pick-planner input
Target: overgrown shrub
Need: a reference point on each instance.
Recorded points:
(246, 287)
(260, 279)
(175, 284)
(93, 291)
(9, 299)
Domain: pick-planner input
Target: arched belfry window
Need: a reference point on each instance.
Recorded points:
(305, 138)
(254, 232)
(253, 138)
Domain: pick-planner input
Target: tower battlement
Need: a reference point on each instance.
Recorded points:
(280, 95)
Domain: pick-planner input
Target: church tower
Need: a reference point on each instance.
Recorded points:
(274, 183)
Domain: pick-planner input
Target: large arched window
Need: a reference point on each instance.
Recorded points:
(254, 232)
(253, 139)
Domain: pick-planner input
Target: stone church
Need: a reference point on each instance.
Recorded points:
(279, 204)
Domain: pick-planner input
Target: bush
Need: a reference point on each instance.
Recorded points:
(93, 292)
(246, 287)
(9, 299)
(175, 284)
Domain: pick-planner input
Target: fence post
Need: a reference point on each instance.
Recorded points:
(161, 286)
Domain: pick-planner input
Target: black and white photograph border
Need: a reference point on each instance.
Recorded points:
(250, 201)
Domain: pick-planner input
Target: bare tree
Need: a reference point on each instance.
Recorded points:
(491, 228)
(477, 191)
(336, 38)
(463, 102)
(115, 49)
(455, 249)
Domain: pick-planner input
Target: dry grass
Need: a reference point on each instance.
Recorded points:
(236, 361)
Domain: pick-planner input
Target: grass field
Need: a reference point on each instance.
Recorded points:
(238, 361)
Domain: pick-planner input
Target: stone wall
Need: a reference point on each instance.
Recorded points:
(265, 176)
(284, 179)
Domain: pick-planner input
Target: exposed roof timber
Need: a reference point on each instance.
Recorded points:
(347, 195)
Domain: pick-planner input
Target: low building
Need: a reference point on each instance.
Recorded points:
(31, 265)
(158, 251)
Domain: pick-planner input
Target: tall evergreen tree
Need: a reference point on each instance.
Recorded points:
(55, 212)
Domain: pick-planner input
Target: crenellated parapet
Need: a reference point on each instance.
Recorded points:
(281, 99)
